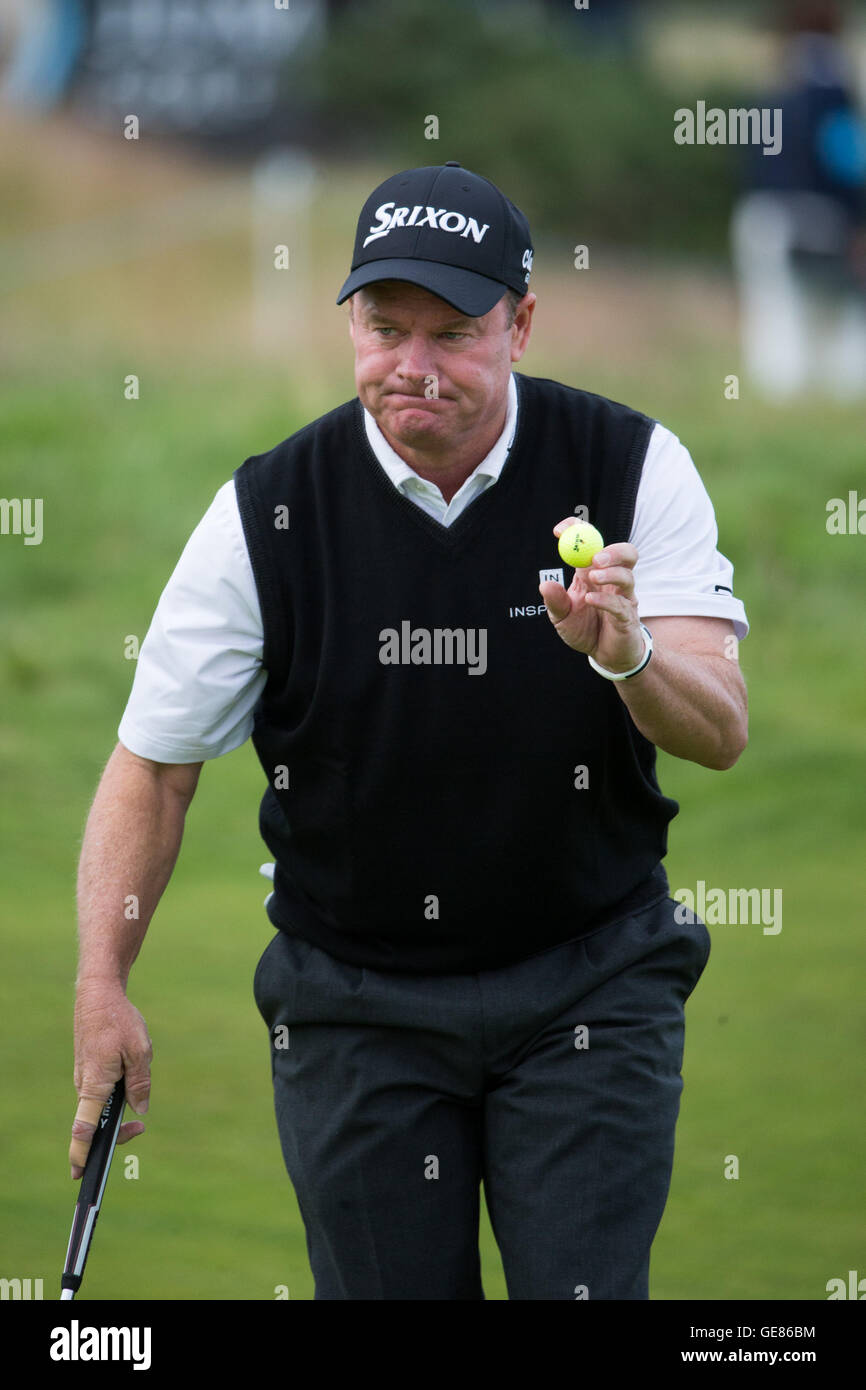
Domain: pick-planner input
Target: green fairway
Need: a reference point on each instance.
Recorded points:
(773, 1069)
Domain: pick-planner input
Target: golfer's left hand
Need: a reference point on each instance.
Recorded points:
(597, 614)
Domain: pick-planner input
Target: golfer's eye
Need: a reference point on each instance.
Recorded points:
(453, 335)
(383, 331)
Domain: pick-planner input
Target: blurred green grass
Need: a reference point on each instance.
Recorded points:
(773, 1069)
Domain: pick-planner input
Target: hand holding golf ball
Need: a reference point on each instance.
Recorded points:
(597, 614)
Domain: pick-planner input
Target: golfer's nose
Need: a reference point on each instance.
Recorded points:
(416, 360)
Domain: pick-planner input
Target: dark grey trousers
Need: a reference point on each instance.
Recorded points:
(556, 1082)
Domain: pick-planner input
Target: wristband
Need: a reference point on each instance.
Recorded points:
(635, 670)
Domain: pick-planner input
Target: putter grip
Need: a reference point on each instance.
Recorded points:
(102, 1146)
(92, 1187)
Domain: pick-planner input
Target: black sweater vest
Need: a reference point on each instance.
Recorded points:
(451, 787)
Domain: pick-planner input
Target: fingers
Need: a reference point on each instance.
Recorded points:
(619, 579)
(611, 591)
(623, 553)
(556, 600)
(617, 606)
(111, 1040)
(91, 1103)
(137, 1080)
(130, 1130)
(83, 1130)
(90, 1108)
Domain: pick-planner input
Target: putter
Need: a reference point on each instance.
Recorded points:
(92, 1187)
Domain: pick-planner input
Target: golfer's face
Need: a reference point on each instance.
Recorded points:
(430, 377)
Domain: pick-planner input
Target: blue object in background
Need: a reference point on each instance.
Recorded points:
(841, 147)
(50, 38)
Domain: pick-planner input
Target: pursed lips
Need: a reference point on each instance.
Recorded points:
(408, 396)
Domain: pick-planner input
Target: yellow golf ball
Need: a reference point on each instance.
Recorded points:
(579, 543)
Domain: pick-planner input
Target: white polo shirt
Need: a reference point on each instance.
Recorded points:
(199, 672)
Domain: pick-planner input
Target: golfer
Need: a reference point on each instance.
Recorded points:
(477, 974)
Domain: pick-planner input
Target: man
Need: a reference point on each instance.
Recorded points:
(799, 227)
(477, 973)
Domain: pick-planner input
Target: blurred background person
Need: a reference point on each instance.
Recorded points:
(799, 228)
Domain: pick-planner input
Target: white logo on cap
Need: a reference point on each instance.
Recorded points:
(387, 219)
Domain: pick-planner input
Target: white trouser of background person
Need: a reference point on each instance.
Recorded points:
(797, 335)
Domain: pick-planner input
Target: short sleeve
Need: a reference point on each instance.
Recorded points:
(199, 673)
(679, 572)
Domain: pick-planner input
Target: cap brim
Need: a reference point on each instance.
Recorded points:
(465, 291)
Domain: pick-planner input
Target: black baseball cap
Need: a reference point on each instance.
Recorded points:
(446, 229)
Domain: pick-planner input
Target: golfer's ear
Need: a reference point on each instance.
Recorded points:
(522, 326)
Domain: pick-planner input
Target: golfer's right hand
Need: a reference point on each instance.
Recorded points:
(111, 1040)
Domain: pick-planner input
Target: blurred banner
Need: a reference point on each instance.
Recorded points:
(212, 68)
